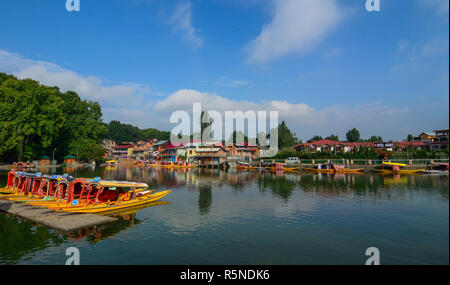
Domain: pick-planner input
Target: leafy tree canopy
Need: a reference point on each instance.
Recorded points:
(353, 135)
(286, 138)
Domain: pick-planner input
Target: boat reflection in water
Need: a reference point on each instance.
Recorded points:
(126, 219)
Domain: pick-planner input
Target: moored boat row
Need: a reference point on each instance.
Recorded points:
(384, 168)
(69, 194)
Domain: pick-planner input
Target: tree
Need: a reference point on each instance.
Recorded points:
(410, 138)
(83, 121)
(316, 138)
(205, 121)
(285, 137)
(28, 111)
(353, 135)
(87, 149)
(375, 139)
(238, 135)
(332, 138)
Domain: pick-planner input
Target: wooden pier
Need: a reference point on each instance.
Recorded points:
(58, 220)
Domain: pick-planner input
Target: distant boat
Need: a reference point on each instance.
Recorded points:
(332, 168)
(436, 168)
(392, 167)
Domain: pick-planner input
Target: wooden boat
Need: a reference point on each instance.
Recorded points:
(112, 163)
(82, 190)
(245, 166)
(9, 188)
(177, 166)
(436, 168)
(18, 184)
(119, 204)
(105, 196)
(75, 190)
(332, 168)
(41, 187)
(392, 167)
(23, 165)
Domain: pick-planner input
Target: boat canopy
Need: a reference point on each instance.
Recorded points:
(104, 183)
(394, 164)
(439, 163)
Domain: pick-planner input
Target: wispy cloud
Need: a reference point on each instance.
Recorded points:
(440, 7)
(227, 82)
(297, 26)
(415, 56)
(181, 21)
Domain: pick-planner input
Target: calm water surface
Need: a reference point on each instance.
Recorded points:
(230, 217)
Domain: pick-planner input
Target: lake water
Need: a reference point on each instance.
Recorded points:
(238, 217)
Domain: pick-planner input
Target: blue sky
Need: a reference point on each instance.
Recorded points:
(325, 65)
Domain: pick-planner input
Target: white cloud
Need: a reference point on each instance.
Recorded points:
(88, 87)
(227, 82)
(181, 21)
(145, 111)
(305, 120)
(296, 27)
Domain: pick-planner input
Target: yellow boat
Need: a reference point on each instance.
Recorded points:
(7, 191)
(392, 167)
(332, 168)
(83, 189)
(118, 205)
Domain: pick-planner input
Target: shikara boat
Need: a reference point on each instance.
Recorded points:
(332, 168)
(392, 167)
(46, 189)
(81, 191)
(245, 166)
(10, 186)
(105, 196)
(18, 185)
(120, 203)
(436, 168)
(178, 166)
(76, 189)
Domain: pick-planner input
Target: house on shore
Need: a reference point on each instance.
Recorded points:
(440, 142)
(70, 159)
(213, 156)
(44, 160)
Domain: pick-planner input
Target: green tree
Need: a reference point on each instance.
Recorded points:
(84, 121)
(353, 135)
(375, 139)
(286, 138)
(87, 149)
(410, 138)
(332, 138)
(235, 135)
(28, 111)
(205, 121)
(316, 138)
